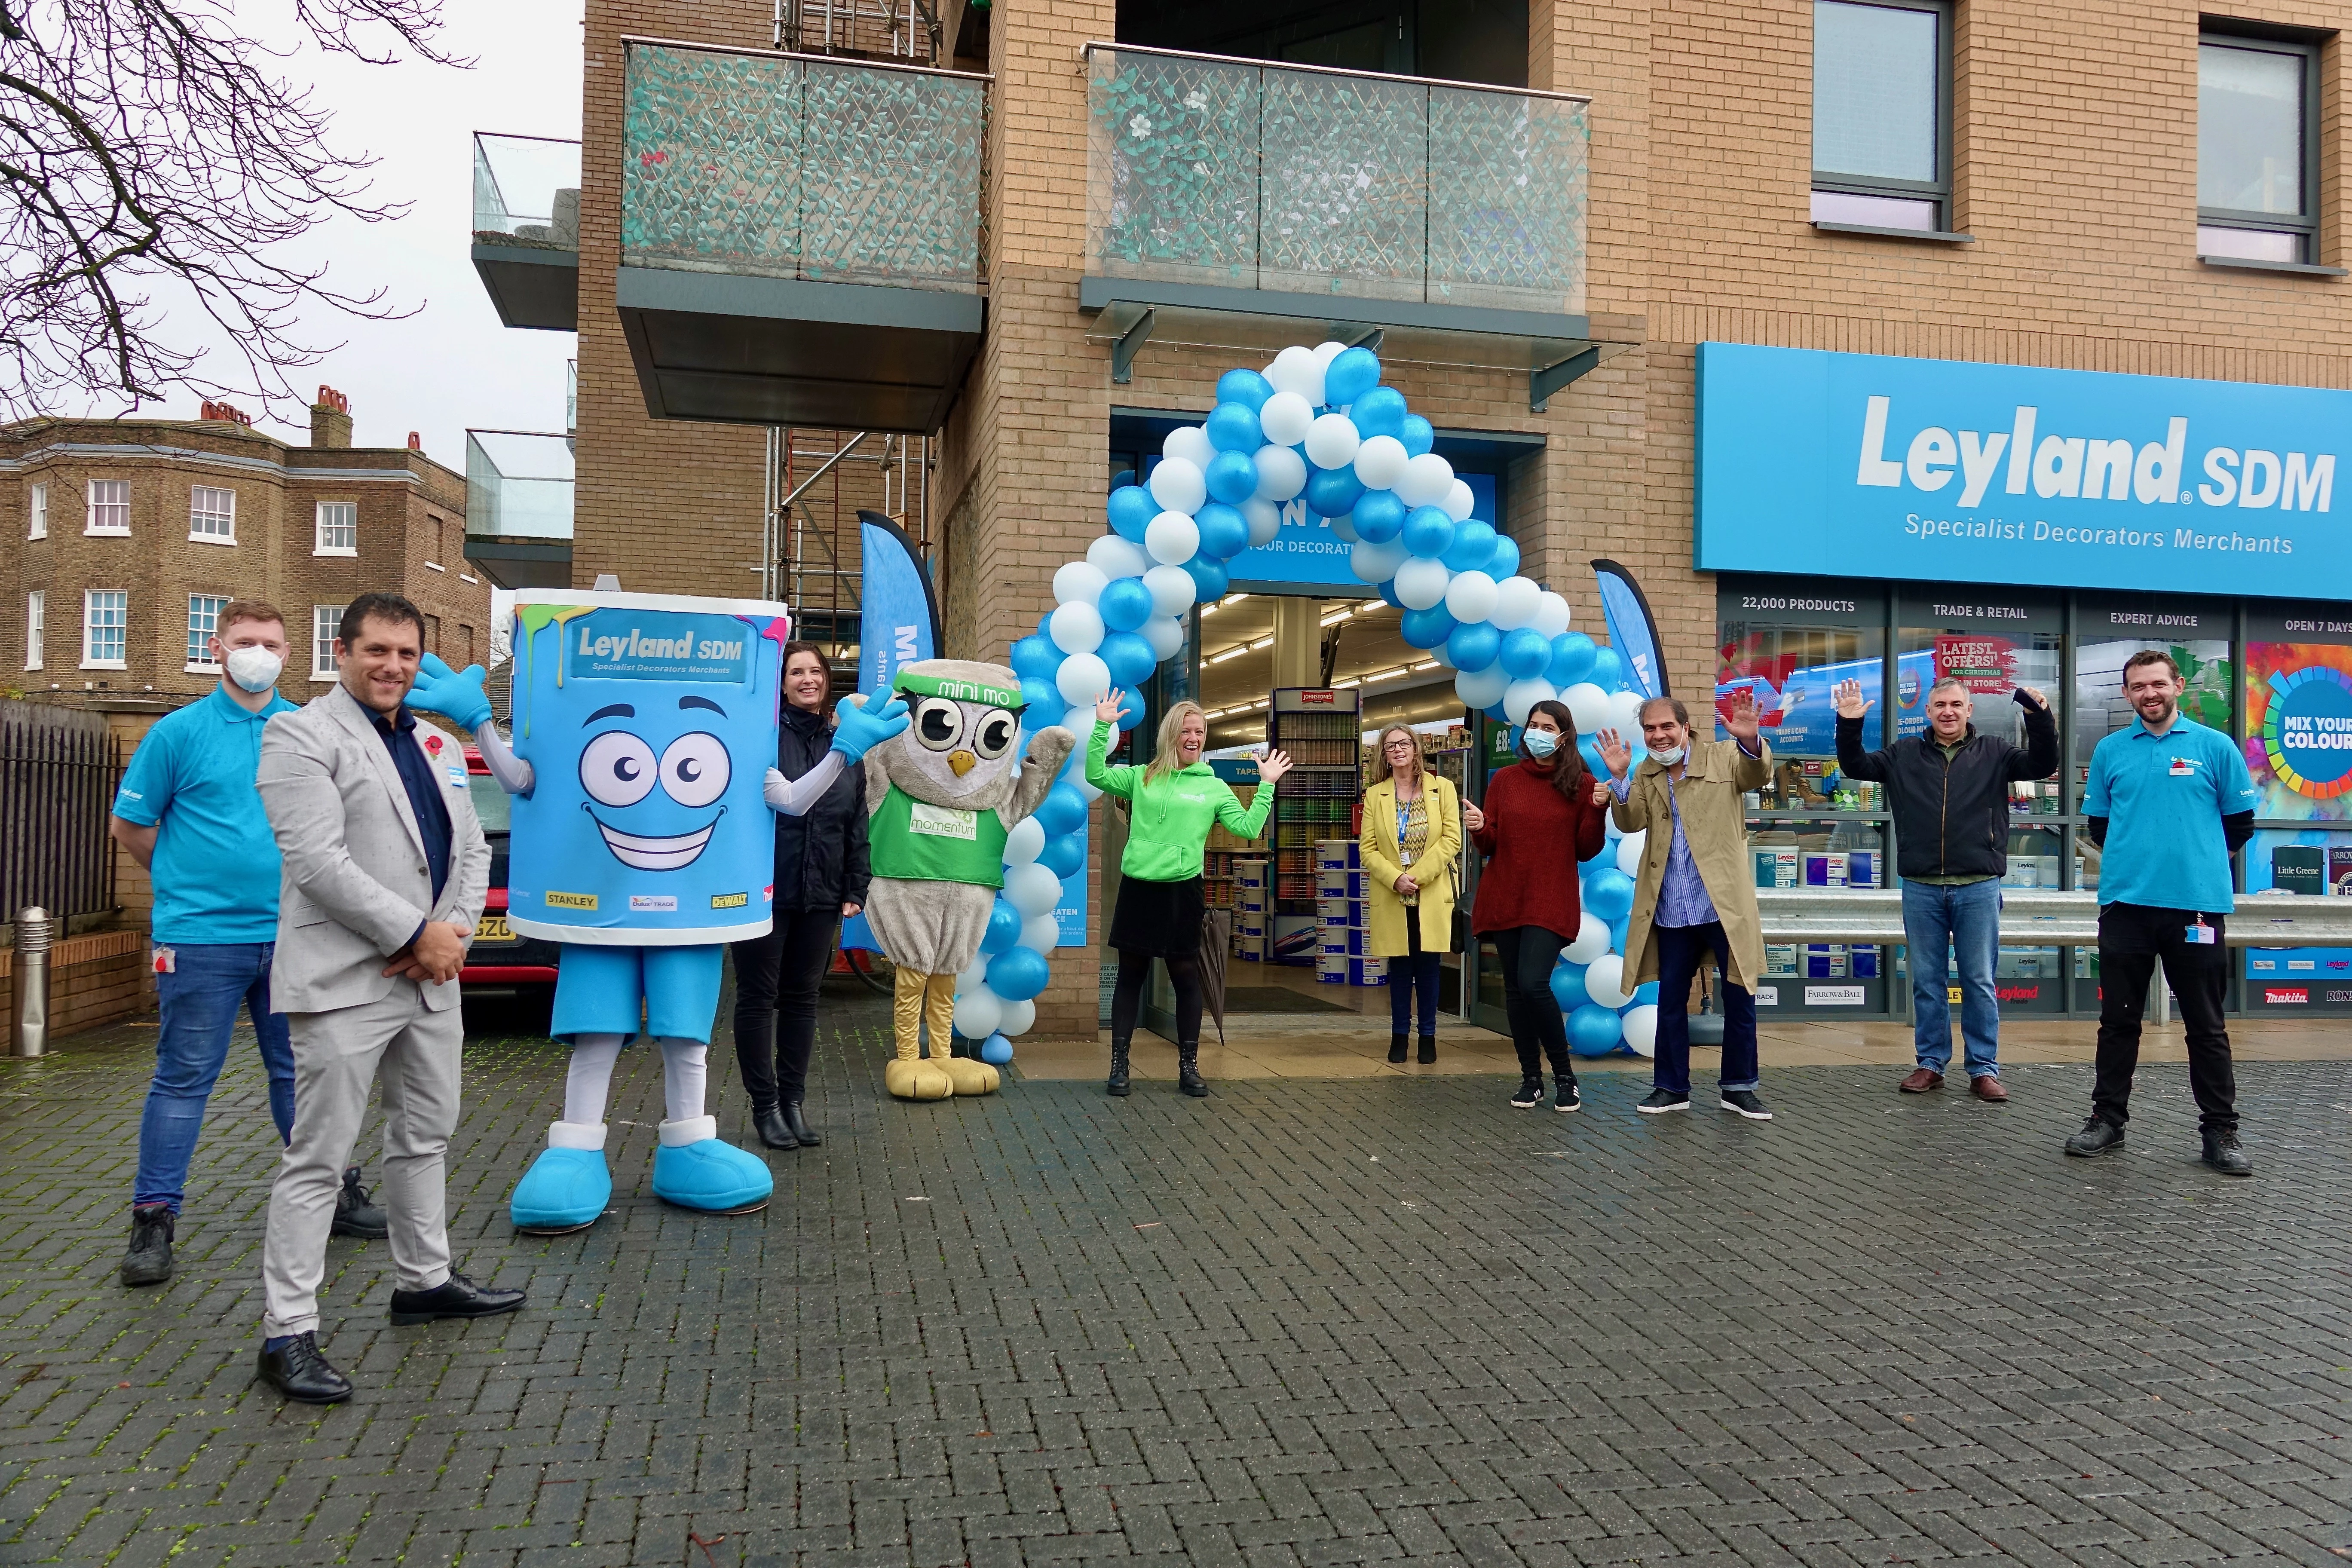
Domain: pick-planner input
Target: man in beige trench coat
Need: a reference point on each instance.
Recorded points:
(1697, 892)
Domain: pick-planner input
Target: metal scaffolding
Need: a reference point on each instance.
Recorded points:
(864, 29)
(816, 481)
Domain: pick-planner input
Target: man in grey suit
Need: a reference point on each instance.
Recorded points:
(383, 872)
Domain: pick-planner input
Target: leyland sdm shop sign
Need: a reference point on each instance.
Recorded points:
(1866, 466)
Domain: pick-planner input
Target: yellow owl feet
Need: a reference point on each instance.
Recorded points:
(911, 1077)
(970, 1077)
(914, 1078)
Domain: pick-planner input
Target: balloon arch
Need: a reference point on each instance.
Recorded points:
(1315, 425)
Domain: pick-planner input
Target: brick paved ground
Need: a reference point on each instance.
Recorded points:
(1300, 1323)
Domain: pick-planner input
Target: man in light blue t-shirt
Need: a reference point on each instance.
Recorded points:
(188, 810)
(2169, 801)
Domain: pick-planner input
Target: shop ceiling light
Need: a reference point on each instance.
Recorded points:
(1426, 664)
(1262, 643)
(1233, 652)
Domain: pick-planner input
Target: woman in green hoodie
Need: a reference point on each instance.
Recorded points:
(1173, 800)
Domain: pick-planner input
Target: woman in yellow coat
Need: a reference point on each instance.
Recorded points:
(1411, 838)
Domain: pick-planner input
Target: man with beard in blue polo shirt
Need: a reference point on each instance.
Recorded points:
(2169, 801)
(189, 811)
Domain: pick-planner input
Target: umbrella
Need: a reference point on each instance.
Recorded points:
(1216, 944)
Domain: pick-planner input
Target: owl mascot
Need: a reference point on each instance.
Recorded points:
(940, 799)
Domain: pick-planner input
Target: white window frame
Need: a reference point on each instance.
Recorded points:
(326, 625)
(198, 516)
(90, 603)
(36, 626)
(37, 512)
(204, 624)
(90, 523)
(319, 528)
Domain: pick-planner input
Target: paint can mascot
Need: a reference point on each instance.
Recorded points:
(643, 840)
(940, 799)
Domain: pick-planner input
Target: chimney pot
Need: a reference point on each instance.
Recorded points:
(330, 419)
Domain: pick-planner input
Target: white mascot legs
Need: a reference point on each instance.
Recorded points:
(686, 1075)
(587, 1086)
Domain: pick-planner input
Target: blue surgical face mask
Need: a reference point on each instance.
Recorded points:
(1539, 742)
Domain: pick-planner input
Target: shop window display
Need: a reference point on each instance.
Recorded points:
(1993, 647)
(2298, 696)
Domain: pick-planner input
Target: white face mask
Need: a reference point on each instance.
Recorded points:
(254, 669)
(1666, 758)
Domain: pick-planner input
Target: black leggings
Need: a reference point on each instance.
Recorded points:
(1126, 997)
(1528, 954)
(776, 981)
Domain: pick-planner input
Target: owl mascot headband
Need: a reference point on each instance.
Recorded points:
(941, 796)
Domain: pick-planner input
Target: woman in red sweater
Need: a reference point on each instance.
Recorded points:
(1543, 815)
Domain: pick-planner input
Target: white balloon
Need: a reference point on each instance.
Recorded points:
(1378, 562)
(975, 976)
(1422, 583)
(1172, 538)
(1345, 527)
(1515, 603)
(1040, 932)
(1264, 518)
(1017, 1018)
(1426, 480)
(1116, 557)
(1034, 889)
(1481, 689)
(1381, 462)
(1641, 1026)
(976, 1013)
(1077, 778)
(1172, 590)
(1285, 418)
(1082, 680)
(1165, 634)
(1443, 657)
(1281, 472)
(1078, 583)
(1522, 695)
(1605, 981)
(1591, 940)
(1026, 842)
(1551, 616)
(1179, 486)
(1331, 441)
(1470, 597)
(1295, 370)
(1075, 628)
(1459, 503)
(1609, 828)
(1328, 350)
(1587, 704)
(1189, 443)
(1625, 714)
(1629, 851)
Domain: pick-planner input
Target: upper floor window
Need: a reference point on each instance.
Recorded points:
(1882, 114)
(212, 514)
(110, 506)
(105, 627)
(203, 620)
(2257, 159)
(338, 528)
(326, 625)
(37, 512)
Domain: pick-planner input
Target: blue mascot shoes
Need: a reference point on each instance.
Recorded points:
(695, 1171)
(567, 1186)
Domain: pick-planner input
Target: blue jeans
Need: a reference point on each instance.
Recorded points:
(1964, 922)
(1681, 949)
(198, 1000)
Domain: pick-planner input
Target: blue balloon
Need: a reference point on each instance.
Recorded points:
(1388, 593)
(1064, 855)
(1130, 706)
(1428, 531)
(1608, 670)
(1020, 973)
(1232, 428)
(1473, 647)
(1035, 656)
(1605, 857)
(1417, 436)
(1505, 562)
(1645, 996)
(1131, 510)
(1567, 988)
(1379, 516)
(1043, 702)
(1246, 387)
(1590, 750)
(1210, 578)
(1471, 548)
(1572, 659)
(1380, 412)
(1233, 477)
(1330, 492)
(1617, 929)
(1129, 657)
(1351, 374)
(1525, 653)
(1064, 810)
(996, 1050)
(1004, 928)
(1499, 714)
(1124, 604)
(1609, 893)
(1592, 1030)
(1225, 532)
(1425, 628)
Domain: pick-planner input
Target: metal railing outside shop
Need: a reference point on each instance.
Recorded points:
(59, 770)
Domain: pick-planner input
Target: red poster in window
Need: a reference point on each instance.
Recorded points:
(1986, 666)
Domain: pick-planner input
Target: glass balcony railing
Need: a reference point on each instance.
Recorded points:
(1210, 170)
(801, 167)
(518, 486)
(526, 191)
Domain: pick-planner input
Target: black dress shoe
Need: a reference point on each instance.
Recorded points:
(2098, 1136)
(456, 1297)
(298, 1370)
(775, 1131)
(2227, 1155)
(356, 1214)
(148, 1261)
(808, 1136)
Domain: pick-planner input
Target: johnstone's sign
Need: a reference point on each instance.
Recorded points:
(1863, 465)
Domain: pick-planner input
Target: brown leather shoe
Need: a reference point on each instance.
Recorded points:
(1922, 1080)
(1986, 1088)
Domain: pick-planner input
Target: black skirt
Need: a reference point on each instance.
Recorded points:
(1161, 920)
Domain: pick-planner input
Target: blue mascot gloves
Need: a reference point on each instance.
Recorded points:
(564, 1190)
(711, 1176)
(858, 730)
(457, 695)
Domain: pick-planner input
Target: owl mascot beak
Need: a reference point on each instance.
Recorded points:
(963, 763)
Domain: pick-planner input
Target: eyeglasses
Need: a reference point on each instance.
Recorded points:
(1403, 746)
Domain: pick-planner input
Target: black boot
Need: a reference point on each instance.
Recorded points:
(148, 1261)
(357, 1213)
(1187, 1068)
(1428, 1049)
(775, 1131)
(1396, 1048)
(808, 1136)
(1117, 1082)
(2226, 1154)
